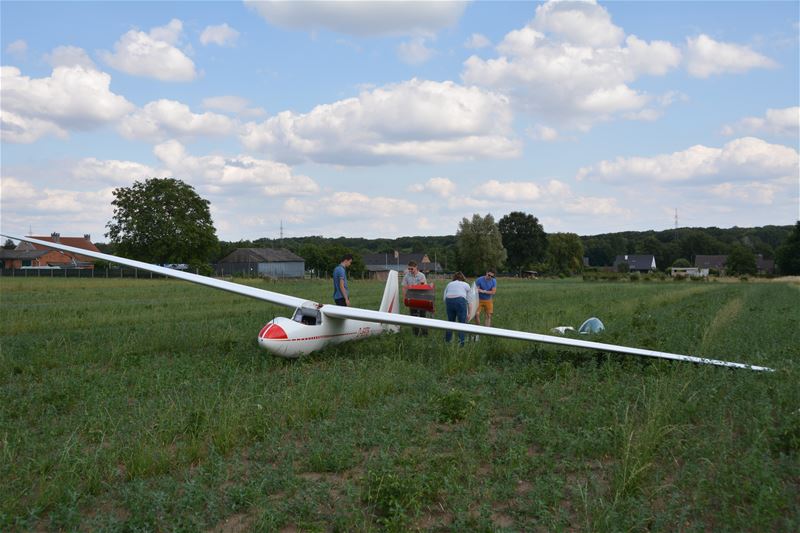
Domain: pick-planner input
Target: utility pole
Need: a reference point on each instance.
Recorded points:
(281, 241)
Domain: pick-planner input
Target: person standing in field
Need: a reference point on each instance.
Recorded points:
(455, 302)
(487, 287)
(414, 277)
(341, 293)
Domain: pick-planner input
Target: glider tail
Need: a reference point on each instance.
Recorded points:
(391, 295)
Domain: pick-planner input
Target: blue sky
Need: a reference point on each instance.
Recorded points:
(382, 119)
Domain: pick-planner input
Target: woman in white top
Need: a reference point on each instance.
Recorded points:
(455, 302)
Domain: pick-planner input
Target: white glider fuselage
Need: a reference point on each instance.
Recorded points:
(286, 337)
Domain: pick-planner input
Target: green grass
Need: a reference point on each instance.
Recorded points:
(142, 405)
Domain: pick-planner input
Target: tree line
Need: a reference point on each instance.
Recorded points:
(163, 220)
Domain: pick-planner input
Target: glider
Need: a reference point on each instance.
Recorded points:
(314, 326)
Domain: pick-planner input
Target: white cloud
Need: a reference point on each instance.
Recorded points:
(233, 104)
(571, 66)
(753, 192)
(477, 40)
(414, 52)
(784, 122)
(743, 158)
(111, 171)
(167, 118)
(69, 56)
(410, 121)
(221, 35)
(220, 173)
(361, 18)
(706, 57)
(70, 98)
(13, 189)
(442, 187)
(541, 132)
(17, 48)
(25, 130)
(593, 205)
(152, 55)
(510, 191)
(358, 205)
(580, 23)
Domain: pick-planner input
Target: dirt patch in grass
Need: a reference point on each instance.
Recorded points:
(237, 523)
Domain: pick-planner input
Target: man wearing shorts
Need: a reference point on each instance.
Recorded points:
(487, 287)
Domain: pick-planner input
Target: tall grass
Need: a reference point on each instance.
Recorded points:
(146, 405)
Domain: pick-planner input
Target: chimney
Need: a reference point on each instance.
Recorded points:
(88, 237)
(56, 236)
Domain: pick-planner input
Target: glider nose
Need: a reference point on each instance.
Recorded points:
(272, 331)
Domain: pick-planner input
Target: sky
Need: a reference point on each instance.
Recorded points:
(393, 118)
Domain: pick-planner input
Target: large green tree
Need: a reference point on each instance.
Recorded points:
(479, 245)
(162, 220)
(523, 238)
(741, 260)
(787, 256)
(564, 253)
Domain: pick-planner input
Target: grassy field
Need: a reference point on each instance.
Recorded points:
(146, 405)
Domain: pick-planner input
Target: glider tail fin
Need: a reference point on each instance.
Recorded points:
(391, 295)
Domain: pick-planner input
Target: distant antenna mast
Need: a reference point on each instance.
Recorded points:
(676, 222)
(281, 232)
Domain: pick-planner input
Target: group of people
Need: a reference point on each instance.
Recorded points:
(456, 295)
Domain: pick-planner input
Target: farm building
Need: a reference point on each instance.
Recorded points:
(636, 263)
(264, 262)
(717, 262)
(34, 255)
(379, 265)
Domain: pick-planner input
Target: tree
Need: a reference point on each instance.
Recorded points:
(564, 253)
(741, 260)
(479, 245)
(523, 238)
(9, 245)
(682, 263)
(787, 256)
(162, 220)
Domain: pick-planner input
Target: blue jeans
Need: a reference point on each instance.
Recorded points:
(456, 312)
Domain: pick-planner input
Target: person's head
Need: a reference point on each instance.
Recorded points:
(458, 276)
(347, 259)
(490, 273)
(412, 267)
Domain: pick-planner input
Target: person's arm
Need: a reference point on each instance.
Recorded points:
(492, 290)
(343, 290)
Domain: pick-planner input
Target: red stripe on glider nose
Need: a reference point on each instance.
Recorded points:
(272, 331)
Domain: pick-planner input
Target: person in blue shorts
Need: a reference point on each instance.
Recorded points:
(341, 294)
(487, 287)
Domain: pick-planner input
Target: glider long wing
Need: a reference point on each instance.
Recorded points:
(405, 320)
(253, 292)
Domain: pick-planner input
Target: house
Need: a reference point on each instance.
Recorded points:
(711, 262)
(35, 255)
(765, 266)
(636, 263)
(379, 265)
(717, 262)
(20, 258)
(263, 262)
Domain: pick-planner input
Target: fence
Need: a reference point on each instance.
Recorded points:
(122, 272)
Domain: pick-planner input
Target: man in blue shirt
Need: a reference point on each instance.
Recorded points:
(487, 287)
(341, 294)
